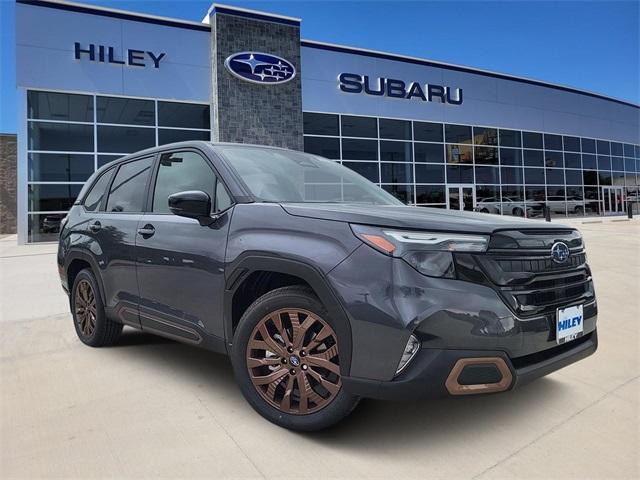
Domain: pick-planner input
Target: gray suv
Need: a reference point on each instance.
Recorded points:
(320, 286)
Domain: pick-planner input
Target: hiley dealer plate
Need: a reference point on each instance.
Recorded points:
(569, 324)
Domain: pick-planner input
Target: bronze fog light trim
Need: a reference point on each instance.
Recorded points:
(456, 388)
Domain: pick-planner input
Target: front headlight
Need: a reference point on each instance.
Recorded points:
(430, 253)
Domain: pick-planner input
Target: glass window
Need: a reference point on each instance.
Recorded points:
(128, 189)
(184, 115)
(61, 137)
(629, 165)
(572, 160)
(616, 149)
(531, 140)
(488, 175)
(325, 147)
(588, 145)
(574, 177)
(49, 198)
(571, 144)
(510, 156)
(126, 111)
(357, 149)
(396, 172)
(45, 227)
(396, 151)
(429, 152)
(459, 154)
(534, 176)
(395, 129)
(512, 192)
(589, 161)
(98, 192)
(427, 132)
(603, 147)
(510, 138)
(535, 194)
(321, 124)
(223, 199)
(459, 174)
(604, 162)
(617, 163)
(368, 170)
(457, 133)
(179, 172)
(125, 139)
(511, 175)
(555, 176)
(166, 135)
(553, 159)
(590, 177)
(359, 126)
(591, 195)
(430, 194)
(104, 159)
(604, 177)
(552, 142)
(485, 136)
(628, 150)
(404, 193)
(60, 167)
(486, 155)
(59, 106)
(533, 158)
(429, 173)
(487, 197)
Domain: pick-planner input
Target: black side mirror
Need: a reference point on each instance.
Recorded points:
(191, 204)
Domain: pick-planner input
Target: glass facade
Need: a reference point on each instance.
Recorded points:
(69, 136)
(479, 168)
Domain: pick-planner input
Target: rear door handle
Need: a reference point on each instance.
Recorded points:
(147, 231)
(95, 226)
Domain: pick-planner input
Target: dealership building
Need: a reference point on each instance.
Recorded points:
(95, 84)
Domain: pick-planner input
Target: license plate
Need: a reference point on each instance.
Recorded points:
(569, 324)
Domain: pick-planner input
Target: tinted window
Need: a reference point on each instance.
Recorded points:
(534, 176)
(486, 155)
(510, 156)
(179, 172)
(396, 172)
(368, 170)
(487, 175)
(457, 133)
(459, 174)
(573, 177)
(60, 106)
(429, 152)
(223, 199)
(356, 149)
(104, 159)
(571, 144)
(325, 147)
(396, 129)
(125, 139)
(588, 145)
(166, 135)
(404, 193)
(533, 158)
(555, 176)
(429, 174)
(531, 140)
(572, 160)
(589, 161)
(553, 159)
(60, 137)
(320, 124)
(359, 126)
(603, 147)
(485, 136)
(128, 188)
(185, 115)
(48, 198)
(552, 142)
(60, 167)
(430, 194)
(427, 132)
(511, 175)
(93, 199)
(510, 138)
(459, 154)
(616, 149)
(604, 163)
(127, 111)
(396, 151)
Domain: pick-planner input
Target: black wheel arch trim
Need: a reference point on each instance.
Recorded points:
(250, 262)
(74, 254)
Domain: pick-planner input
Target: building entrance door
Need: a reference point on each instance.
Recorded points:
(461, 197)
(613, 200)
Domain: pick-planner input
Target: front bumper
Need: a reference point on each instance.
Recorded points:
(429, 372)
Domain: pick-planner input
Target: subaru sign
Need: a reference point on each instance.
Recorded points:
(257, 67)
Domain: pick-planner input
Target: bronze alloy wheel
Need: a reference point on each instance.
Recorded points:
(85, 308)
(292, 358)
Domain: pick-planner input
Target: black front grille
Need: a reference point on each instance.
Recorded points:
(536, 265)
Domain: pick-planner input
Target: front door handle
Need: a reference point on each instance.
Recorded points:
(95, 226)
(147, 231)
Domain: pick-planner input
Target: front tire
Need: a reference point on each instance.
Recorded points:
(89, 318)
(286, 360)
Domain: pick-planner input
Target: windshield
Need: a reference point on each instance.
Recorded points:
(285, 176)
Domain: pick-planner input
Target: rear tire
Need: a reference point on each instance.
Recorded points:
(89, 318)
(292, 378)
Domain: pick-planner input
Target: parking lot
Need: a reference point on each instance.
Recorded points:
(151, 407)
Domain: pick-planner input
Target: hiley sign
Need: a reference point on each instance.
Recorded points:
(106, 54)
(393, 88)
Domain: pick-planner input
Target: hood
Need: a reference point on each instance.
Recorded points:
(416, 218)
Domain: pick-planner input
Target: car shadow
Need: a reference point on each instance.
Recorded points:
(375, 426)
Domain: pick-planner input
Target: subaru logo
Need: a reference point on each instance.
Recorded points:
(559, 252)
(259, 67)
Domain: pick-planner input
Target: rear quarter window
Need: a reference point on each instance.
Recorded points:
(98, 191)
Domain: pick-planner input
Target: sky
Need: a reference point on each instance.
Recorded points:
(590, 45)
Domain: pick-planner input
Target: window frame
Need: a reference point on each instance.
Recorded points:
(103, 207)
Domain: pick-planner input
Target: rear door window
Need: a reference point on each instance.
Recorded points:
(127, 192)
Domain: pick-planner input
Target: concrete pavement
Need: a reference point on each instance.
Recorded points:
(150, 407)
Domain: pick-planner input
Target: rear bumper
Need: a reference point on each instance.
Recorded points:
(430, 373)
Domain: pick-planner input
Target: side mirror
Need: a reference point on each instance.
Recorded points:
(191, 204)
